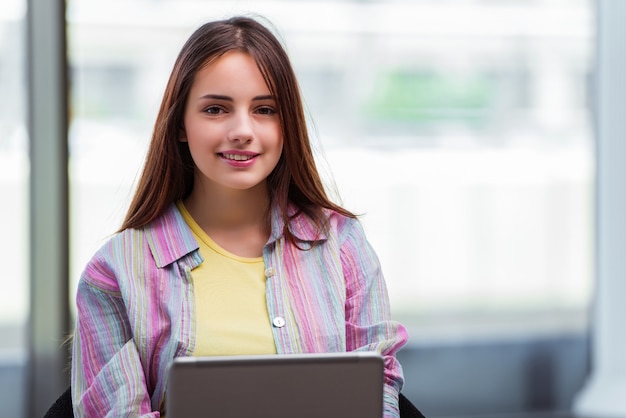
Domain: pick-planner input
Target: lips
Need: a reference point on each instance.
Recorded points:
(237, 157)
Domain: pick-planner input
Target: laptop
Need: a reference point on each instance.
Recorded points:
(321, 385)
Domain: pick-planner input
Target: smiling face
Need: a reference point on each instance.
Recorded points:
(232, 126)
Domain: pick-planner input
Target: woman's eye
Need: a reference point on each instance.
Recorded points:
(266, 110)
(213, 110)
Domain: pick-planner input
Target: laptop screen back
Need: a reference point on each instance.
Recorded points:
(328, 385)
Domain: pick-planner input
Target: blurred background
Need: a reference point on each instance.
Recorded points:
(461, 130)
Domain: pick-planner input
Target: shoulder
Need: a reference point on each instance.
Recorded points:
(127, 242)
(155, 245)
(332, 225)
(342, 226)
(351, 238)
(103, 269)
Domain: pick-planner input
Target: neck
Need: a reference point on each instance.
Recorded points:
(228, 209)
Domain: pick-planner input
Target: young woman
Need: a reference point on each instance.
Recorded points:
(230, 244)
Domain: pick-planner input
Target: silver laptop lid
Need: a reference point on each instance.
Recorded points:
(325, 385)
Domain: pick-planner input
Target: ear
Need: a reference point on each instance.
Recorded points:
(182, 135)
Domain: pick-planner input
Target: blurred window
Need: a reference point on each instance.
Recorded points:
(14, 195)
(459, 129)
(13, 179)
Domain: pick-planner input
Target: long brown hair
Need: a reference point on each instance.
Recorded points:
(168, 172)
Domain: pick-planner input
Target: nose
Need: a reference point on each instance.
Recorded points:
(241, 129)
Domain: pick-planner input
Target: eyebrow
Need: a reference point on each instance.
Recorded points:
(230, 99)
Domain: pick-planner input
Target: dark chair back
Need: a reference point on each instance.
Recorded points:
(62, 407)
(407, 409)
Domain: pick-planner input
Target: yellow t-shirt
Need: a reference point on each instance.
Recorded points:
(231, 309)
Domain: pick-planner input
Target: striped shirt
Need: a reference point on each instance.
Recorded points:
(136, 308)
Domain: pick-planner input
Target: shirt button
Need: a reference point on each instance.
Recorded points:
(279, 322)
(269, 272)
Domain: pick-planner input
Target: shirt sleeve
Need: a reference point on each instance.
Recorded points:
(107, 374)
(368, 316)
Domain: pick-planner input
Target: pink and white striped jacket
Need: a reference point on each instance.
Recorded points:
(136, 307)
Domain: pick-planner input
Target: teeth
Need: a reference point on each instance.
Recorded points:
(237, 157)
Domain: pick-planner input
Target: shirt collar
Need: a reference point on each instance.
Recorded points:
(301, 226)
(170, 238)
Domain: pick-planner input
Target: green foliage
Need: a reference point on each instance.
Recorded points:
(424, 98)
